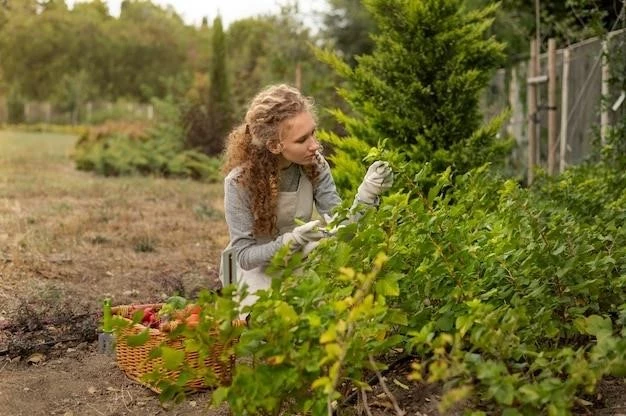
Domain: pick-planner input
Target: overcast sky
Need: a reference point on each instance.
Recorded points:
(192, 11)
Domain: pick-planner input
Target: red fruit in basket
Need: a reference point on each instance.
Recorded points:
(194, 309)
(192, 320)
(150, 318)
(147, 314)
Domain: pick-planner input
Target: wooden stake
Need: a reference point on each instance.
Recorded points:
(564, 108)
(604, 105)
(551, 106)
(532, 109)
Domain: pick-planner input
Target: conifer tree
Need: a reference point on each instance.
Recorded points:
(208, 113)
(219, 91)
(420, 87)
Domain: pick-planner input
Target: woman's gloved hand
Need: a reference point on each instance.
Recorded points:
(303, 234)
(309, 247)
(379, 178)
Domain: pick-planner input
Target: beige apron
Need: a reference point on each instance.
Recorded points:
(291, 205)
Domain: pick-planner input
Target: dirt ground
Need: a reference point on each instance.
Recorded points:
(68, 239)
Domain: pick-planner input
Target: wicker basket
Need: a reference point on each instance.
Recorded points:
(136, 363)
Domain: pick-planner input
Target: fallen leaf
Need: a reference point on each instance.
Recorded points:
(397, 383)
(35, 358)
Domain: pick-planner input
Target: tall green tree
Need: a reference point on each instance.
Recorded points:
(219, 91)
(208, 114)
(36, 63)
(568, 21)
(267, 49)
(349, 26)
(419, 88)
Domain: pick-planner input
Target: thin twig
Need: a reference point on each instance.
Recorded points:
(391, 397)
(97, 411)
(127, 391)
(367, 407)
(372, 379)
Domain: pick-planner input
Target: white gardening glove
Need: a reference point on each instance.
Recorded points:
(379, 178)
(303, 234)
(309, 247)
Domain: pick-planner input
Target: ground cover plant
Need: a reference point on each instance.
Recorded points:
(140, 148)
(513, 300)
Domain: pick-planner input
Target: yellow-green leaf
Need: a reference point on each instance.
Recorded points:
(329, 335)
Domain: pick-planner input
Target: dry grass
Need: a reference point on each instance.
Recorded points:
(132, 238)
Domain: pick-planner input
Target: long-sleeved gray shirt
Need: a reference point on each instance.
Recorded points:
(251, 253)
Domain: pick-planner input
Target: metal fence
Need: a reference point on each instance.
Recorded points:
(581, 70)
(89, 112)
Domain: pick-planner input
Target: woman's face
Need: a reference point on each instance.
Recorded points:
(299, 143)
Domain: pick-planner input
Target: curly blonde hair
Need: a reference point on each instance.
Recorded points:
(247, 147)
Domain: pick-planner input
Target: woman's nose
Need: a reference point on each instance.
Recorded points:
(315, 145)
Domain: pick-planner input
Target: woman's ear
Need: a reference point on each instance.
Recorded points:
(275, 146)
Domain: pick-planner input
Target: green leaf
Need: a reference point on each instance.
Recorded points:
(287, 312)
(172, 358)
(387, 287)
(530, 393)
(598, 326)
(503, 392)
(138, 339)
(219, 395)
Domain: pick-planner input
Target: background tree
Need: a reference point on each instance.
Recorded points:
(267, 49)
(420, 86)
(348, 25)
(208, 114)
(219, 91)
(567, 21)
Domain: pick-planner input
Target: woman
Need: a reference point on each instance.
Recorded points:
(276, 174)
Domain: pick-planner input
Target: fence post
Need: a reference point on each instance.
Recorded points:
(89, 108)
(604, 105)
(564, 108)
(551, 106)
(298, 76)
(532, 109)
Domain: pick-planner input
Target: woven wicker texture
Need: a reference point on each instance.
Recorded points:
(135, 361)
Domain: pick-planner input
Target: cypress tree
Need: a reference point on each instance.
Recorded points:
(218, 89)
(208, 113)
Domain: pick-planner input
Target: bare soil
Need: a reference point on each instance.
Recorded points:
(68, 239)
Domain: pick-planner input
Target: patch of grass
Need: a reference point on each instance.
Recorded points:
(205, 212)
(145, 244)
(91, 233)
(99, 239)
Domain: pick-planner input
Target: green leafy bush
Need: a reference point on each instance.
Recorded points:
(115, 149)
(514, 298)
